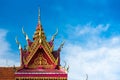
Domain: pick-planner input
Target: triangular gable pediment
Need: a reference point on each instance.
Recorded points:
(40, 60)
(36, 46)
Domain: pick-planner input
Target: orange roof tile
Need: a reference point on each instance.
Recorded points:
(6, 73)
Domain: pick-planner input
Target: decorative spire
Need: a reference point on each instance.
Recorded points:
(39, 22)
(39, 33)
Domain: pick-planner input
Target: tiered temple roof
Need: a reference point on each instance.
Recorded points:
(39, 60)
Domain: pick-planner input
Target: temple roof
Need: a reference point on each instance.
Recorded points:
(39, 43)
(37, 59)
(7, 73)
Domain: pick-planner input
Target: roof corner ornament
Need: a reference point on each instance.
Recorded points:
(18, 43)
(54, 35)
(61, 46)
(65, 64)
(25, 34)
(66, 68)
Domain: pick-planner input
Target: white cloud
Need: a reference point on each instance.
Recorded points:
(6, 53)
(3, 42)
(87, 29)
(101, 62)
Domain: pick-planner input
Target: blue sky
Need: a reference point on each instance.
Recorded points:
(91, 29)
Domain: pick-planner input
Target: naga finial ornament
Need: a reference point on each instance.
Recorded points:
(66, 68)
(18, 43)
(25, 34)
(61, 46)
(54, 35)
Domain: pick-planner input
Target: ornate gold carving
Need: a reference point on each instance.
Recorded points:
(40, 61)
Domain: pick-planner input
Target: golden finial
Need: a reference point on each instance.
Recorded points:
(61, 46)
(54, 35)
(39, 16)
(26, 36)
(18, 43)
